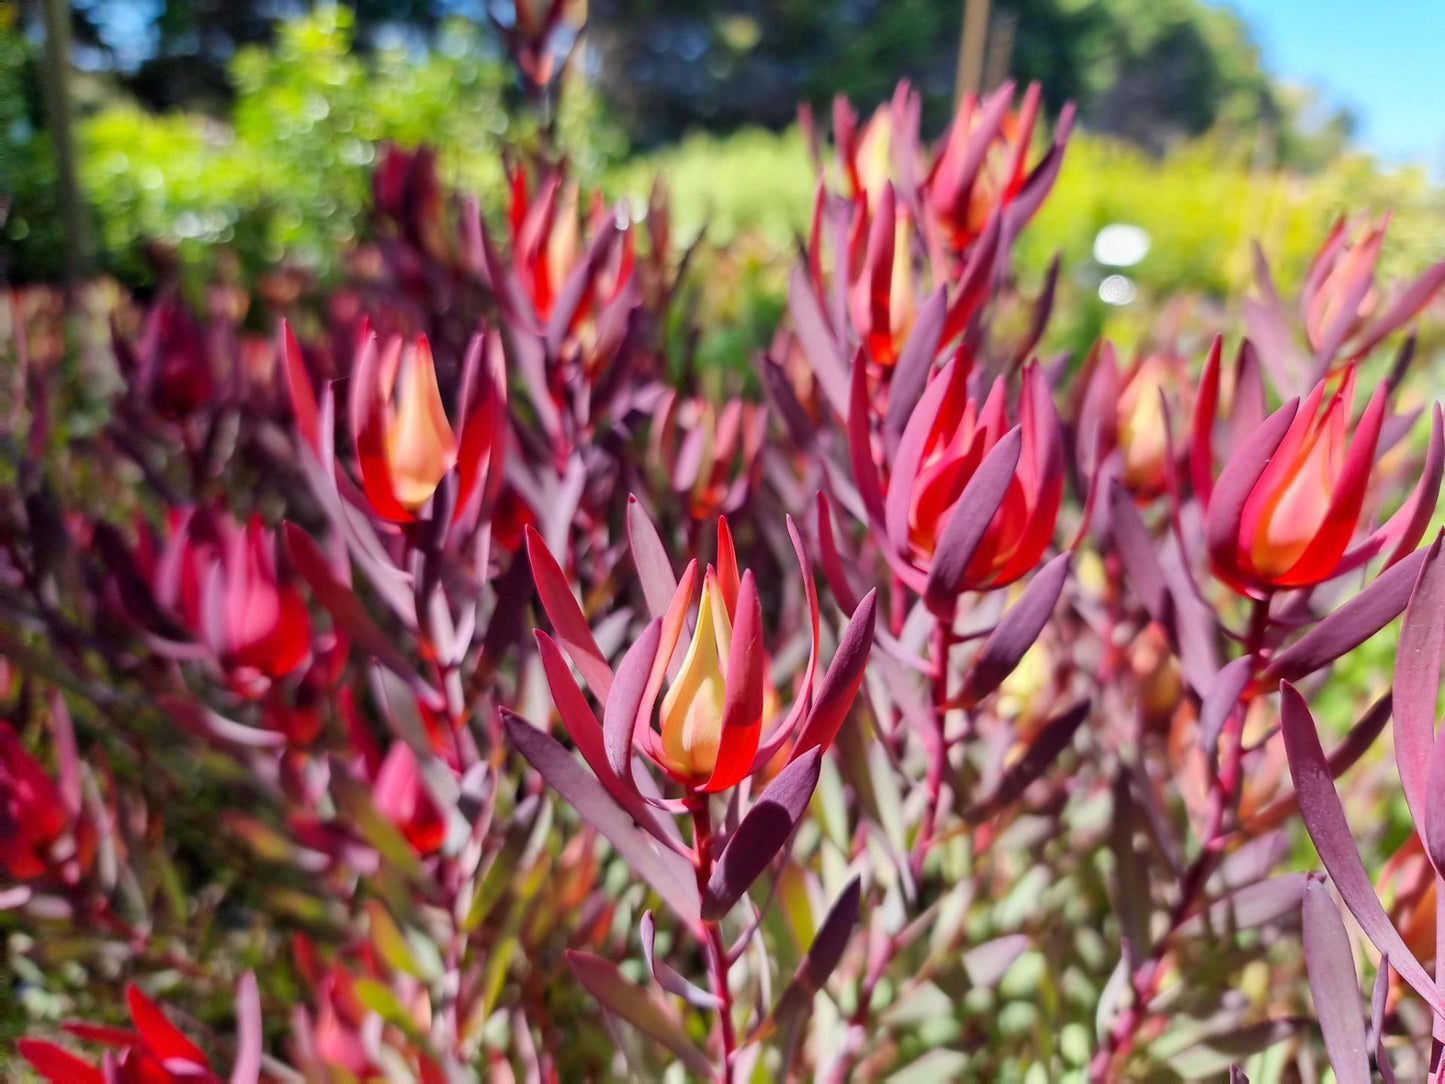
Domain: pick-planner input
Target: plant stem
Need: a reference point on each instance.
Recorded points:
(942, 642)
(717, 953)
(1223, 796)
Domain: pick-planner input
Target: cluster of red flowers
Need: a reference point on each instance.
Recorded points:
(1026, 561)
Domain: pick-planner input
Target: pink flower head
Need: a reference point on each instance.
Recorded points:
(156, 1052)
(35, 826)
(1286, 506)
(402, 798)
(226, 584)
(709, 734)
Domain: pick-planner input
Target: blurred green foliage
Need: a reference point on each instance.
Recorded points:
(1202, 206)
(290, 175)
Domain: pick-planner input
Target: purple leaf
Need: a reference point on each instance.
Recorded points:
(1352, 624)
(247, 1069)
(819, 345)
(860, 443)
(649, 555)
(1249, 907)
(566, 616)
(915, 362)
(1051, 740)
(1220, 701)
(1433, 831)
(1359, 739)
(575, 288)
(1378, 995)
(624, 702)
(761, 834)
(817, 964)
(839, 686)
(1016, 631)
(665, 975)
(1136, 552)
(985, 964)
(1325, 821)
(969, 520)
(1417, 679)
(348, 613)
(667, 872)
(618, 994)
(1330, 964)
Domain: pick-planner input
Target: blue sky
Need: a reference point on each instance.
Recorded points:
(1383, 59)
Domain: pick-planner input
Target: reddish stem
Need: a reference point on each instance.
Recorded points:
(1223, 796)
(943, 640)
(717, 953)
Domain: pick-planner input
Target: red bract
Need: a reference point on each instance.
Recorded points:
(982, 165)
(709, 455)
(969, 503)
(1289, 499)
(1343, 311)
(156, 1052)
(224, 582)
(35, 826)
(404, 443)
(711, 722)
(170, 368)
(1124, 411)
(402, 798)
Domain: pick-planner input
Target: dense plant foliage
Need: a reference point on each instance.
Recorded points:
(462, 677)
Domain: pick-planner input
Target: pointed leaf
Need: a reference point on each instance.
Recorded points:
(767, 825)
(625, 701)
(665, 871)
(1334, 986)
(665, 975)
(969, 521)
(1324, 819)
(1016, 631)
(618, 994)
(1346, 628)
(649, 555)
(839, 686)
(566, 616)
(1221, 700)
(1051, 740)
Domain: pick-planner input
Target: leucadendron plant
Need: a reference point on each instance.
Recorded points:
(422, 676)
(720, 730)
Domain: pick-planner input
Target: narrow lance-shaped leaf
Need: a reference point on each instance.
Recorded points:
(618, 994)
(1249, 907)
(1325, 821)
(249, 1038)
(665, 975)
(1016, 632)
(1346, 628)
(1334, 986)
(1221, 699)
(969, 521)
(625, 701)
(915, 361)
(1045, 748)
(817, 964)
(566, 616)
(666, 872)
(654, 569)
(764, 829)
(839, 686)
(1417, 680)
